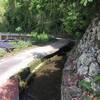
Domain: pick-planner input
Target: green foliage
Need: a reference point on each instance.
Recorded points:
(2, 52)
(85, 85)
(18, 29)
(43, 37)
(76, 19)
(41, 16)
(97, 79)
(85, 2)
(88, 85)
(3, 20)
(71, 18)
(77, 35)
(49, 16)
(21, 44)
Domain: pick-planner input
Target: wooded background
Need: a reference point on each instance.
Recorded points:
(57, 17)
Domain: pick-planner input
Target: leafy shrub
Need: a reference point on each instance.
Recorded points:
(70, 18)
(18, 29)
(76, 19)
(88, 85)
(54, 17)
(43, 37)
(85, 85)
(21, 44)
(85, 2)
(2, 52)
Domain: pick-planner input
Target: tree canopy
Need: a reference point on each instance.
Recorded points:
(50, 16)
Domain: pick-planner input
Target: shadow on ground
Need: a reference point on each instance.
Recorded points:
(46, 83)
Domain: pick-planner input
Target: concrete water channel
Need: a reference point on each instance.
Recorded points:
(9, 67)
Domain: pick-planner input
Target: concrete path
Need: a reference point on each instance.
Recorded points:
(12, 65)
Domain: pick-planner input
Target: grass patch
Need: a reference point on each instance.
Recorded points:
(21, 44)
(2, 52)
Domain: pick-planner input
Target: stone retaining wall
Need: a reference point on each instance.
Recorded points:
(83, 65)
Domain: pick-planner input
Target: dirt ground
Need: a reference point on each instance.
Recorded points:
(46, 83)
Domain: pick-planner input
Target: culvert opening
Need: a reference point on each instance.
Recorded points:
(46, 82)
